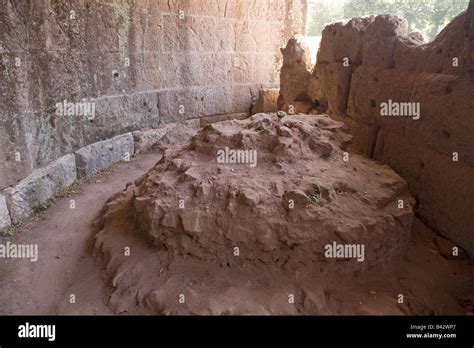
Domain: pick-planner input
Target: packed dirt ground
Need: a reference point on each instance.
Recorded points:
(63, 235)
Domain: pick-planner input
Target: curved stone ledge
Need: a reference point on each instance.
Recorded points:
(95, 157)
(41, 185)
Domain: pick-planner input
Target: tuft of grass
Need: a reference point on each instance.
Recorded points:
(66, 191)
(315, 194)
(8, 231)
(43, 206)
(281, 114)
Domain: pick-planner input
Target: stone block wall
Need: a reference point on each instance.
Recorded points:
(368, 61)
(140, 63)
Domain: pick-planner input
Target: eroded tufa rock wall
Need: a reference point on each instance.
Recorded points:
(369, 61)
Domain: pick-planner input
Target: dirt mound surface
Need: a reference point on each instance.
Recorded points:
(252, 216)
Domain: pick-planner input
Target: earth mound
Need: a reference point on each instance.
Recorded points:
(268, 200)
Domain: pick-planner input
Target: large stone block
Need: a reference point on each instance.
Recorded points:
(117, 114)
(369, 89)
(13, 30)
(243, 67)
(192, 69)
(197, 34)
(267, 101)
(241, 9)
(213, 8)
(242, 97)
(95, 157)
(158, 7)
(263, 10)
(438, 95)
(295, 75)
(364, 135)
(57, 25)
(14, 93)
(153, 36)
(330, 86)
(444, 124)
(54, 76)
(343, 40)
(267, 71)
(15, 155)
(146, 139)
(5, 220)
(443, 187)
(379, 53)
(32, 140)
(183, 104)
(255, 36)
(113, 74)
(101, 23)
(33, 191)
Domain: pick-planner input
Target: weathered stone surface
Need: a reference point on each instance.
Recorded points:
(34, 191)
(146, 139)
(136, 60)
(179, 134)
(343, 40)
(193, 69)
(197, 34)
(368, 61)
(333, 97)
(441, 186)
(267, 101)
(241, 95)
(95, 157)
(5, 219)
(368, 89)
(165, 136)
(295, 77)
(187, 103)
(255, 36)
